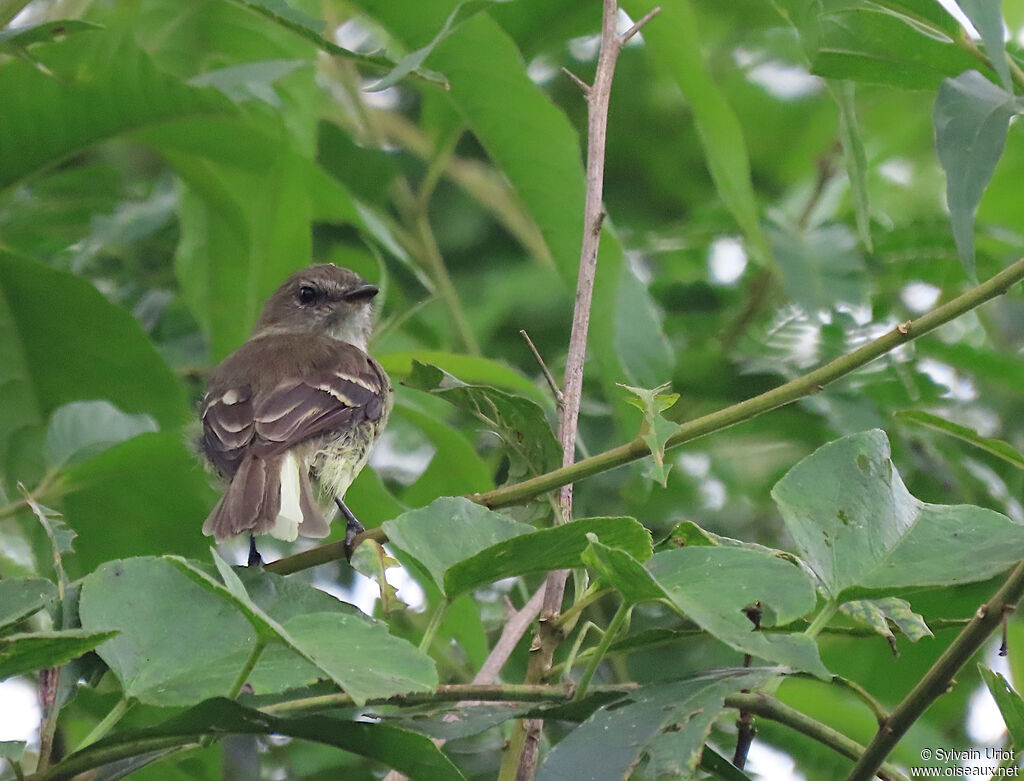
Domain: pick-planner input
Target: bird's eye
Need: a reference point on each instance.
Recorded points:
(307, 295)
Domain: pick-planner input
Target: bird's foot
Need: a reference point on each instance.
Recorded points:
(353, 528)
(255, 560)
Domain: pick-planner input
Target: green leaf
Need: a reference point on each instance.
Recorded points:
(473, 369)
(655, 430)
(21, 597)
(414, 60)
(13, 40)
(105, 87)
(455, 468)
(232, 212)
(688, 533)
(821, 267)
(540, 155)
(854, 157)
(623, 572)
(719, 767)
(675, 44)
(859, 529)
(146, 495)
(987, 17)
(971, 119)
(876, 614)
(447, 531)
(250, 81)
(611, 742)
(185, 637)
(23, 653)
(406, 752)
(560, 547)
(902, 43)
(995, 447)
(365, 660)
(643, 349)
(82, 429)
(12, 750)
(100, 345)
(305, 26)
(519, 422)
(178, 643)
(1011, 706)
(713, 585)
(334, 643)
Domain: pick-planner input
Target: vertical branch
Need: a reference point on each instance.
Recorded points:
(598, 95)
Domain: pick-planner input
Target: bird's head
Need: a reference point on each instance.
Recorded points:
(322, 299)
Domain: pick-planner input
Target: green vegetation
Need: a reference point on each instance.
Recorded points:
(798, 473)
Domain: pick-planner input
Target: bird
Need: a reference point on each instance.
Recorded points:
(300, 403)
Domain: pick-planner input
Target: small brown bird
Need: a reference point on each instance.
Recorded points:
(299, 401)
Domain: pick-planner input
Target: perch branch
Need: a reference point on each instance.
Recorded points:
(787, 393)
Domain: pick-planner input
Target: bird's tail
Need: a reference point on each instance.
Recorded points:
(253, 502)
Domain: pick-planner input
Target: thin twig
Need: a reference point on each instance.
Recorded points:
(624, 38)
(511, 634)
(544, 368)
(770, 708)
(584, 87)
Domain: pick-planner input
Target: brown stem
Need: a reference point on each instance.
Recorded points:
(598, 96)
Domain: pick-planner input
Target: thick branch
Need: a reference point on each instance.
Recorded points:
(939, 677)
(784, 394)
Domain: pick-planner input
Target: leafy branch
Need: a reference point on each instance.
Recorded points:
(182, 735)
(805, 385)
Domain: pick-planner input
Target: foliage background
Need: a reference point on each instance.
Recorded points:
(165, 164)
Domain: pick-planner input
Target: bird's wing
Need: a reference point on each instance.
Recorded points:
(239, 421)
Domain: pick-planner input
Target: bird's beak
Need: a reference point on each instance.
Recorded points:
(362, 293)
